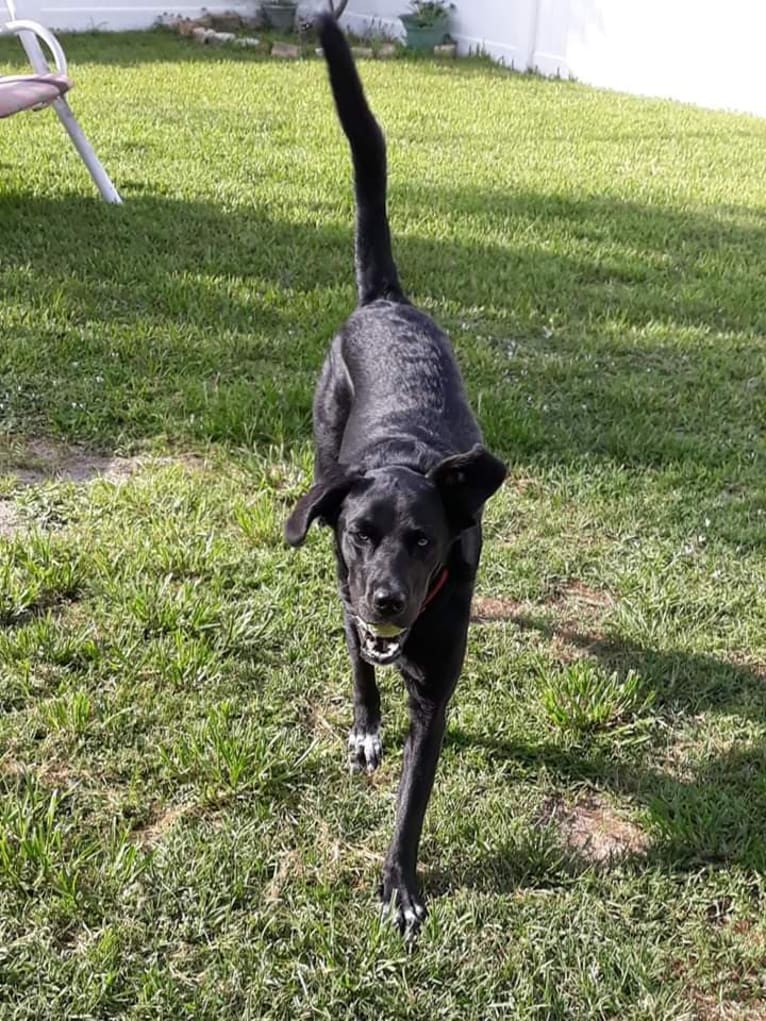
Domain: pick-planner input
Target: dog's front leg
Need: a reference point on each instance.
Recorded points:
(365, 748)
(399, 891)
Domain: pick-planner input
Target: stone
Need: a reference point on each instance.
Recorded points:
(362, 51)
(246, 41)
(286, 50)
(386, 51)
(228, 21)
(185, 26)
(447, 50)
(221, 38)
(201, 34)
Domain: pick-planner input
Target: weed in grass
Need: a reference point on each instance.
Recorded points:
(69, 713)
(35, 573)
(584, 698)
(233, 756)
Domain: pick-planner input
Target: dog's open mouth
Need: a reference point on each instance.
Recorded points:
(381, 643)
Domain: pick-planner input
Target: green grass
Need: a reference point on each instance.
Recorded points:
(179, 835)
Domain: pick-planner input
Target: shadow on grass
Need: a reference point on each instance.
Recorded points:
(183, 320)
(203, 324)
(714, 813)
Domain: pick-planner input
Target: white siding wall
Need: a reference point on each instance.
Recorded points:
(703, 51)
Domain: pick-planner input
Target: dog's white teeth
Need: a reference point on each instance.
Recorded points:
(381, 648)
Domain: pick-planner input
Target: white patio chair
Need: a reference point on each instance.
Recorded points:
(47, 88)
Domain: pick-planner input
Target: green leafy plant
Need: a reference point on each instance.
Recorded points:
(424, 13)
(583, 698)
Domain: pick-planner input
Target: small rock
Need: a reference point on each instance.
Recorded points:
(287, 50)
(228, 21)
(247, 40)
(185, 26)
(201, 34)
(221, 38)
(447, 50)
(386, 51)
(362, 51)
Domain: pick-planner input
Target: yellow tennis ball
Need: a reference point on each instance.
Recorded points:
(385, 630)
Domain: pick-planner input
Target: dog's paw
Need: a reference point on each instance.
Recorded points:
(365, 749)
(401, 903)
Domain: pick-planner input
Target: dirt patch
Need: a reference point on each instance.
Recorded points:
(328, 716)
(45, 461)
(288, 869)
(573, 603)
(10, 522)
(575, 596)
(593, 829)
(149, 835)
(580, 611)
(485, 609)
(712, 1009)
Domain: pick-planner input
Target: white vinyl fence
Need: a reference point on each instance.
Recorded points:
(702, 51)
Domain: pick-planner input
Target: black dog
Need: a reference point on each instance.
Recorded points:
(401, 477)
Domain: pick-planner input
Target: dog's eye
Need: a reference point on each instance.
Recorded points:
(359, 535)
(422, 540)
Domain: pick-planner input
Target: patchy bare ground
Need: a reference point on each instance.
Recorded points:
(10, 522)
(41, 461)
(36, 462)
(593, 829)
(573, 603)
(578, 607)
(149, 835)
(574, 630)
(711, 1009)
(485, 609)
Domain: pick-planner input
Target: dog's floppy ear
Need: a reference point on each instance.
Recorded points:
(322, 501)
(466, 481)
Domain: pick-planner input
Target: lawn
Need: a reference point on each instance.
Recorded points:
(179, 833)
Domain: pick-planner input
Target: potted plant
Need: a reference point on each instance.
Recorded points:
(426, 23)
(280, 14)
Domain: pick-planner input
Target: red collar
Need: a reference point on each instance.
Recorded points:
(435, 589)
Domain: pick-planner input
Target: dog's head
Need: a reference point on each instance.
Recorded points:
(393, 529)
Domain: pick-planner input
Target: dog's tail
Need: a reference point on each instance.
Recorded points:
(376, 274)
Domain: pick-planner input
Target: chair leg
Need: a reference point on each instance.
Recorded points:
(86, 151)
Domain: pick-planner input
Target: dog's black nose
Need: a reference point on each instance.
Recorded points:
(387, 602)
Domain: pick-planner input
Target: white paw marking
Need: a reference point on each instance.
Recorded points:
(368, 746)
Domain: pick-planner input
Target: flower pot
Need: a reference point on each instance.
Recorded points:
(280, 16)
(424, 37)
